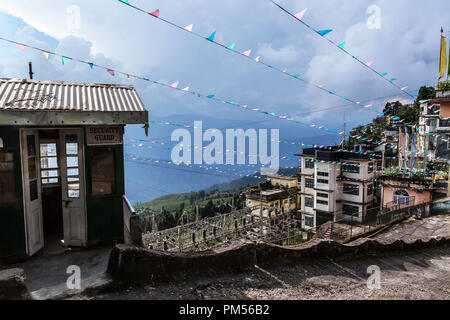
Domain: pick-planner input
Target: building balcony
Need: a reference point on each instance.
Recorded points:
(443, 125)
(442, 93)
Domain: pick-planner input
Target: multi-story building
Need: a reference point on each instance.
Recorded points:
(435, 127)
(336, 184)
(280, 192)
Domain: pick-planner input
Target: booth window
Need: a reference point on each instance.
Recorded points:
(7, 181)
(32, 167)
(49, 164)
(103, 171)
(72, 165)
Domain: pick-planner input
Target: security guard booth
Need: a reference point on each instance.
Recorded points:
(61, 164)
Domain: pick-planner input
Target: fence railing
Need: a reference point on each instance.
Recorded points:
(256, 223)
(346, 229)
(272, 225)
(132, 231)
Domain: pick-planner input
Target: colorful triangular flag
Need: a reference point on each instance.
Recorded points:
(324, 32)
(175, 85)
(300, 15)
(341, 46)
(46, 54)
(186, 89)
(369, 64)
(383, 74)
(257, 58)
(155, 13)
(231, 47)
(65, 59)
(189, 28)
(392, 80)
(212, 36)
(21, 47)
(247, 53)
(111, 72)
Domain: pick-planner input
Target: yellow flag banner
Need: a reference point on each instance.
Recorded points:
(443, 61)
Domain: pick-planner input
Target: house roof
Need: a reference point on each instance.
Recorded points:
(20, 98)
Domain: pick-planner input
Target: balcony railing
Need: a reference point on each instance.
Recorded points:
(443, 94)
(444, 123)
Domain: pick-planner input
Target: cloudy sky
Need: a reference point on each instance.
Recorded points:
(109, 33)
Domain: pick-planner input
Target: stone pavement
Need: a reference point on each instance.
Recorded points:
(434, 226)
(47, 275)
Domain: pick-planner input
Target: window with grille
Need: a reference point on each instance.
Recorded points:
(309, 202)
(322, 181)
(351, 167)
(322, 202)
(323, 174)
(370, 189)
(309, 183)
(309, 164)
(351, 189)
(309, 221)
(322, 195)
(350, 210)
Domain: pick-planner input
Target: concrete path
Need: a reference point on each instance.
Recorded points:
(421, 275)
(411, 229)
(47, 275)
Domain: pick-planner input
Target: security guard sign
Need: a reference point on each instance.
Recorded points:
(104, 135)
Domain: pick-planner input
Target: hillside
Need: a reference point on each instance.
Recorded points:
(175, 209)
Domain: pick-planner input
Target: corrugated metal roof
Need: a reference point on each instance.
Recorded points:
(37, 95)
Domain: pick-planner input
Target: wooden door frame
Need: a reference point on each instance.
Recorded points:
(82, 177)
(83, 195)
(22, 132)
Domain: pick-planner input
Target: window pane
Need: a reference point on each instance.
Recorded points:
(72, 162)
(33, 190)
(32, 174)
(48, 181)
(71, 148)
(103, 171)
(48, 150)
(73, 190)
(31, 146)
(73, 172)
(49, 163)
(50, 174)
(7, 181)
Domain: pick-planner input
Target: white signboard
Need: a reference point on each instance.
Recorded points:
(104, 135)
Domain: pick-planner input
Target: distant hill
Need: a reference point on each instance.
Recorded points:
(246, 181)
(145, 181)
(174, 209)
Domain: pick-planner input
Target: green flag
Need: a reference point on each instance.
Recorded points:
(65, 59)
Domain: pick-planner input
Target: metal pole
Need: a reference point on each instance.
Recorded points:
(180, 244)
(289, 220)
(196, 214)
(260, 215)
(30, 70)
(154, 226)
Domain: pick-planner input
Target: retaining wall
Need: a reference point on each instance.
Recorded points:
(133, 264)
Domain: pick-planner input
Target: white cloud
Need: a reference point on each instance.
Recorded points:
(406, 46)
(285, 54)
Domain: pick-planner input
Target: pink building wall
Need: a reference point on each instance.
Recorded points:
(387, 192)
